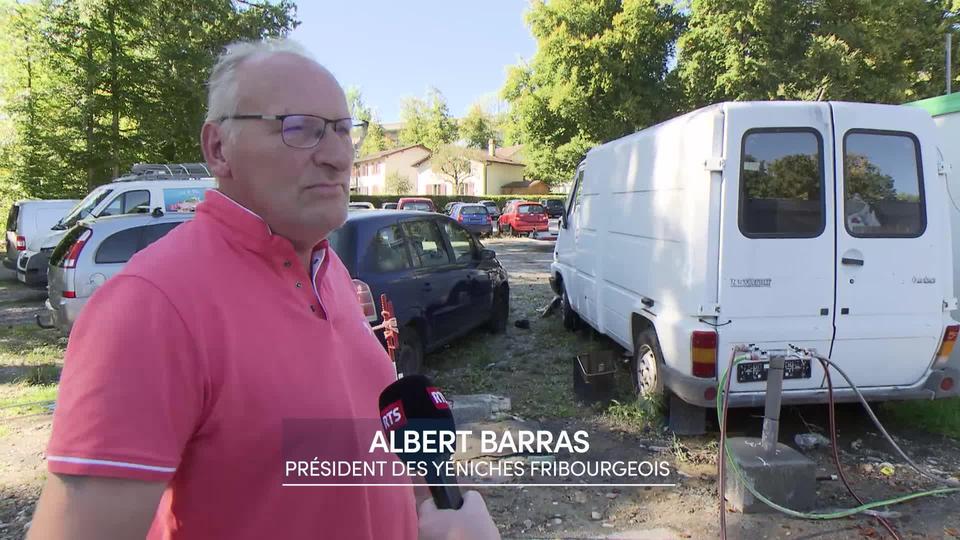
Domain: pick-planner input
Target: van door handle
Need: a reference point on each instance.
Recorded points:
(852, 261)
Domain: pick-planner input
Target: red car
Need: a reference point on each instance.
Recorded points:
(422, 204)
(523, 217)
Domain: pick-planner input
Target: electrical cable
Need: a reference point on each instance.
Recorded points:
(723, 387)
(836, 453)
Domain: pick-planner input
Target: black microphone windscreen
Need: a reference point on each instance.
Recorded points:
(414, 398)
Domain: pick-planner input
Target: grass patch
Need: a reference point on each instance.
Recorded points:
(938, 416)
(31, 345)
(21, 399)
(638, 415)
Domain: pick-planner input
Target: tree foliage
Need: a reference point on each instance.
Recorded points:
(887, 51)
(93, 86)
(398, 183)
(452, 164)
(375, 140)
(478, 128)
(427, 121)
(600, 72)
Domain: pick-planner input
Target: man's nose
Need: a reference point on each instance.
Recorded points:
(334, 151)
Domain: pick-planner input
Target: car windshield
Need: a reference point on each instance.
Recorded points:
(82, 209)
(530, 209)
(554, 204)
(421, 206)
(473, 210)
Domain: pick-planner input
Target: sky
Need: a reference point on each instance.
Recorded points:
(396, 49)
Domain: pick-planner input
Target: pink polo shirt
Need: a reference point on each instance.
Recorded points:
(184, 367)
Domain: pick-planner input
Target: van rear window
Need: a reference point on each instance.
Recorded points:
(882, 192)
(781, 184)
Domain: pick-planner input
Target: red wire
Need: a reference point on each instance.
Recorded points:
(836, 455)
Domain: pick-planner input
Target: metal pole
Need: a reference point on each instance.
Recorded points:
(949, 63)
(771, 414)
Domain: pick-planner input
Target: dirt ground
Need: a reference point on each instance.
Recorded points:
(533, 367)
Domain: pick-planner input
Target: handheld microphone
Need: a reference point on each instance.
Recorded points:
(413, 404)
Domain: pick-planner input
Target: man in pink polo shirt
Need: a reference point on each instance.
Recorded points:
(181, 370)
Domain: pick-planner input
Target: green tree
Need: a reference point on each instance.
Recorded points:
(397, 183)
(375, 140)
(478, 127)
(452, 164)
(427, 121)
(599, 73)
(858, 50)
(97, 85)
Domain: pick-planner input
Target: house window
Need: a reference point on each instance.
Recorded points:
(436, 189)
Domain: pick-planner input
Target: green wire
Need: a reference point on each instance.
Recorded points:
(790, 512)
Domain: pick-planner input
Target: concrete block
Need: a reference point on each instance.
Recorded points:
(785, 477)
(477, 407)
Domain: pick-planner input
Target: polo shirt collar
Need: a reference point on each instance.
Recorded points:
(253, 232)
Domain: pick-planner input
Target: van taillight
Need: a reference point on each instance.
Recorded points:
(21, 243)
(946, 346)
(69, 294)
(70, 261)
(704, 347)
(460, 218)
(365, 296)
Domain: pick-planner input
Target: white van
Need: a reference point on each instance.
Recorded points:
(30, 220)
(821, 225)
(143, 191)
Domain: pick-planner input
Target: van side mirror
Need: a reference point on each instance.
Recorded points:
(487, 254)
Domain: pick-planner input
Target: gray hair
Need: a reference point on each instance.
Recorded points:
(222, 95)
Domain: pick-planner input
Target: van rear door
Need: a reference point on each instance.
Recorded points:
(777, 234)
(893, 257)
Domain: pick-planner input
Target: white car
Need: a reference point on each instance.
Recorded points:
(820, 225)
(361, 206)
(29, 220)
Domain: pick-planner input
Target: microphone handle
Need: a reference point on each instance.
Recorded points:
(447, 497)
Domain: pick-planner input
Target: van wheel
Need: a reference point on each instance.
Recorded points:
(500, 312)
(410, 351)
(571, 321)
(647, 359)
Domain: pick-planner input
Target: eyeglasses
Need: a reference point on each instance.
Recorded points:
(301, 130)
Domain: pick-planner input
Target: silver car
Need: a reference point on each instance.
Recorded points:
(91, 253)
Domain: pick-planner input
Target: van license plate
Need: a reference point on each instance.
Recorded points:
(793, 368)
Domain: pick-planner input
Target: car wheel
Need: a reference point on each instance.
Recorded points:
(571, 321)
(410, 351)
(645, 367)
(500, 311)
(507, 229)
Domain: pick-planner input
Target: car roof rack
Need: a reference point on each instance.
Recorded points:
(166, 171)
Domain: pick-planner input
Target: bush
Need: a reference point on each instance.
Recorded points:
(441, 200)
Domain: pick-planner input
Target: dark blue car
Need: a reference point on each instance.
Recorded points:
(440, 279)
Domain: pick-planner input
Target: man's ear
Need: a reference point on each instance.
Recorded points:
(212, 138)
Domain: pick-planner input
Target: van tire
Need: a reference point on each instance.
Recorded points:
(645, 365)
(410, 351)
(571, 321)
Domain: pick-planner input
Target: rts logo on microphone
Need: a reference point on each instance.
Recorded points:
(436, 396)
(392, 416)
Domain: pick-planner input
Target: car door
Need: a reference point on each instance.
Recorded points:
(466, 257)
(891, 261)
(777, 234)
(387, 268)
(436, 277)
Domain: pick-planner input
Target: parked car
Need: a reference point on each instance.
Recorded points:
(92, 252)
(523, 217)
(492, 208)
(360, 206)
(147, 188)
(554, 207)
(448, 208)
(474, 218)
(439, 278)
(421, 204)
(389, 206)
(29, 220)
(692, 237)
